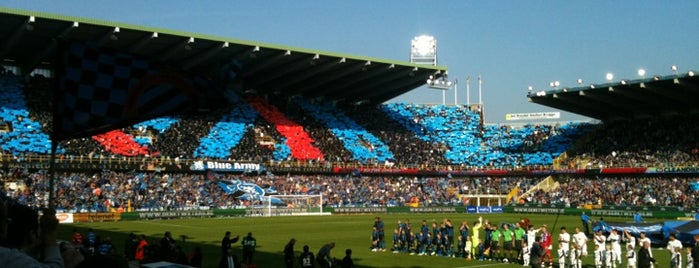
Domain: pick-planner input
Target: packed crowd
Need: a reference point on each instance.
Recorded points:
(653, 142)
(101, 191)
(158, 191)
(402, 134)
(622, 191)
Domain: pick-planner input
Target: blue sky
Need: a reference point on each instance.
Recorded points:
(511, 44)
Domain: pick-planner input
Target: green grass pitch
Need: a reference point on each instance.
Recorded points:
(347, 231)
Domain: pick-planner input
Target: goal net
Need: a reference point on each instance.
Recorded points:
(289, 205)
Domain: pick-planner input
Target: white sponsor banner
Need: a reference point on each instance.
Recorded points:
(64, 217)
(533, 116)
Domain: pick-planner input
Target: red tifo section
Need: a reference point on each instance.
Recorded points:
(120, 143)
(298, 140)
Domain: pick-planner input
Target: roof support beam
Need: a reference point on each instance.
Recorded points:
(49, 49)
(15, 36)
(198, 58)
(147, 38)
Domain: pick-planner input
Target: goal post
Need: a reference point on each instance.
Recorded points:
(290, 205)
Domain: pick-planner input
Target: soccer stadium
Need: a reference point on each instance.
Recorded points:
(160, 148)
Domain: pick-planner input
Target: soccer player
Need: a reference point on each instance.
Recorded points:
(675, 248)
(460, 245)
(374, 239)
(525, 253)
(475, 240)
(642, 240)
(615, 241)
(307, 259)
(249, 243)
(630, 256)
(564, 244)
(396, 241)
(580, 242)
(531, 236)
(380, 227)
(467, 248)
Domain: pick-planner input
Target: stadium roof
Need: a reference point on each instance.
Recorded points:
(658, 96)
(27, 40)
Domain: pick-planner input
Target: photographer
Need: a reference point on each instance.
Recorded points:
(21, 232)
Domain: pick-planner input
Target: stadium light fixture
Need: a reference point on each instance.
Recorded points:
(624, 81)
(580, 81)
(530, 88)
(30, 23)
(690, 73)
(442, 84)
(423, 50)
(642, 73)
(609, 76)
(592, 86)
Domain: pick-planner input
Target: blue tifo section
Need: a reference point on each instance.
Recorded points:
(459, 129)
(281, 150)
(227, 133)
(25, 135)
(363, 145)
(160, 125)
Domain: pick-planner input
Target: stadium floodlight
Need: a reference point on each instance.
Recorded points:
(554, 84)
(624, 81)
(642, 73)
(580, 81)
(442, 84)
(530, 88)
(423, 50)
(30, 23)
(592, 86)
(609, 76)
(690, 73)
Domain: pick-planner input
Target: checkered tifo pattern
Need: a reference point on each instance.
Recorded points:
(102, 89)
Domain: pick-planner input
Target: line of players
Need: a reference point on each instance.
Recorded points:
(503, 243)
(507, 243)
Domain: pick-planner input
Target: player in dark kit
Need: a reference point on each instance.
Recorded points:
(382, 235)
(307, 259)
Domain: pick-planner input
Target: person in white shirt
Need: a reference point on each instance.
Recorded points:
(615, 240)
(563, 246)
(675, 248)
(580, 242)
(599, 256)
(642, 239)
(531, 235)
(630, 257)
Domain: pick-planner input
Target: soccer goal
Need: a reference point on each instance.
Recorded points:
(289, 205)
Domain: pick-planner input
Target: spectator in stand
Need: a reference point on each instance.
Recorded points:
(19, 235)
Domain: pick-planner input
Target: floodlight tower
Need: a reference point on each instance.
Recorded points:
(423, 50)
